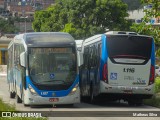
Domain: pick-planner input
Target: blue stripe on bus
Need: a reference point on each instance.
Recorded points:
(60, 93)
(153, 54)
(104, 54)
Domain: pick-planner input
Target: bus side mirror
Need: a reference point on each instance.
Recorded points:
(80, 58)
(23, 59)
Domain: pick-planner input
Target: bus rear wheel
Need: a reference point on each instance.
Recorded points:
(138, 102)
(91, 97)
(18, 99)
(131, 103)
(12, 94)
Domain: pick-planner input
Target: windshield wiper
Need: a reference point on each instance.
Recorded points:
(55, 81)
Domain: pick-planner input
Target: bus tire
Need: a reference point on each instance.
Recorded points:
(91, 100)
(12, 95)
(69, 105)
(19, 100)
(139, 102)
(131, 103)
(26, 105)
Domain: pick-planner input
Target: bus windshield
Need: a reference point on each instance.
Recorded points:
(52, 66)
(134, 47)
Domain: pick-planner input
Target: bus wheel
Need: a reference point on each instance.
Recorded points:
(12, 94)
(139, 102)
(69, 105)
(91, 94)
(131, 103)
(18, 99)
(26, 105)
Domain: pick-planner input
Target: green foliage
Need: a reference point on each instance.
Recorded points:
(6, 107)
(155, 100)
(149, 29)
(82, 18)
(157, 85)
(7, 25)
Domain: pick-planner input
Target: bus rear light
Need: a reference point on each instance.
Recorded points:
(105, 73)
(152, 75)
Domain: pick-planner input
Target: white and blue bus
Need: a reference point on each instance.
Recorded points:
(42, 68)
(118, 65)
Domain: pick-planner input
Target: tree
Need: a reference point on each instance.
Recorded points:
(82, 18)
(7, 25)
(148, 29)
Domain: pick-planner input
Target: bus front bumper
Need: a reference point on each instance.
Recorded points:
(146, 90)
(39, 100)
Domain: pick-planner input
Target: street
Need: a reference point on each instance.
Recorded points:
(85, 111)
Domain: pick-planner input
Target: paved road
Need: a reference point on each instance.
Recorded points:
(116, 107)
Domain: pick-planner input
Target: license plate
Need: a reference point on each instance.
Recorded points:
(53, 99)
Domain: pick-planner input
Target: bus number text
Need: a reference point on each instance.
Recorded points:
(128, 70)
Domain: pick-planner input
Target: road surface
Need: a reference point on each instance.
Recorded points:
(85, 111)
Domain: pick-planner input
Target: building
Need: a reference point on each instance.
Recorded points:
(27, 7)
(23, 9)
(137, 16)
(4, 41)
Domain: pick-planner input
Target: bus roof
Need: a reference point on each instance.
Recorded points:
(121, 32)
(45, 38)
(79, 42)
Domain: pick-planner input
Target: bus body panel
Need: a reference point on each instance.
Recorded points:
(30, 99)
(47, 93)
(44, 96)
(108, 89)
(127, 75)
(126, 78)
(19, 78)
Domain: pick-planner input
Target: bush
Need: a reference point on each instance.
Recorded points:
(155, 100)
(5, 107)
(157, 85)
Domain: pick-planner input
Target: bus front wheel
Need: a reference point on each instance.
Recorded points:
(18, 99)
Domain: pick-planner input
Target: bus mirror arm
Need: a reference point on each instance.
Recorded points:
(23, 59)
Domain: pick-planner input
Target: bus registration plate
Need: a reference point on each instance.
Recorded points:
(53, 99)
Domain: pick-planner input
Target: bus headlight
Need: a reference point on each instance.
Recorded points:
(33, 92)
(74, 89)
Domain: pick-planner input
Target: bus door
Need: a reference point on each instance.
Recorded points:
(85, 73)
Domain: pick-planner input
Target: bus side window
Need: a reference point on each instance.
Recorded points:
(86, 56)
(94, 56)
(89, 57)
(99, 53)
